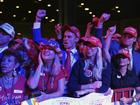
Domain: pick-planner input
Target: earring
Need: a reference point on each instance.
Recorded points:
(14, 72)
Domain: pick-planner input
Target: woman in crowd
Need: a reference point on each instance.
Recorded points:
(122, 76)
(87, 73)
(49, 76)
(11, 88)
(26, 63)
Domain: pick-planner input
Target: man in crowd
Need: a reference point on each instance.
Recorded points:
(7, 34)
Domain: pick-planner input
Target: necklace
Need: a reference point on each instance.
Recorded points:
(9, 100)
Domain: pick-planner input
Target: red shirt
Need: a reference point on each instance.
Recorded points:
(48, 83)
(14, 94)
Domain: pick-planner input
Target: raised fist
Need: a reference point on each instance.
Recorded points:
(41, 13)
(89, 25)
(58, 28)
(111, 30)
(95, 21)
(104, 17)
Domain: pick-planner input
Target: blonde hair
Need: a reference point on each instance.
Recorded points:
(56, 67)
(97, 64)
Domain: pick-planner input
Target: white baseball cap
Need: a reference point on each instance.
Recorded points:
(8, 29)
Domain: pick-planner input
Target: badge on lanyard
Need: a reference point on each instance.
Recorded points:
(88, 73)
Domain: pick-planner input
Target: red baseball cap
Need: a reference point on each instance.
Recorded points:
(73, 29)
(94, 41)
(124, 53)
(130, 30)
(52, 45)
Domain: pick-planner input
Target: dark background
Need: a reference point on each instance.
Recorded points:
(70, 13)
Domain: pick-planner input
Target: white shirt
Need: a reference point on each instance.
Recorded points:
(73, 59)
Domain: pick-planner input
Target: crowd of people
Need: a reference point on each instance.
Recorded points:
(69, 65)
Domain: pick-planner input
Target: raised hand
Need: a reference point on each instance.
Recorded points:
(104, 17)
(95, 21)
(58, 28)
(111, 30)
(41, 13)
(88, 29)
(89, 25)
